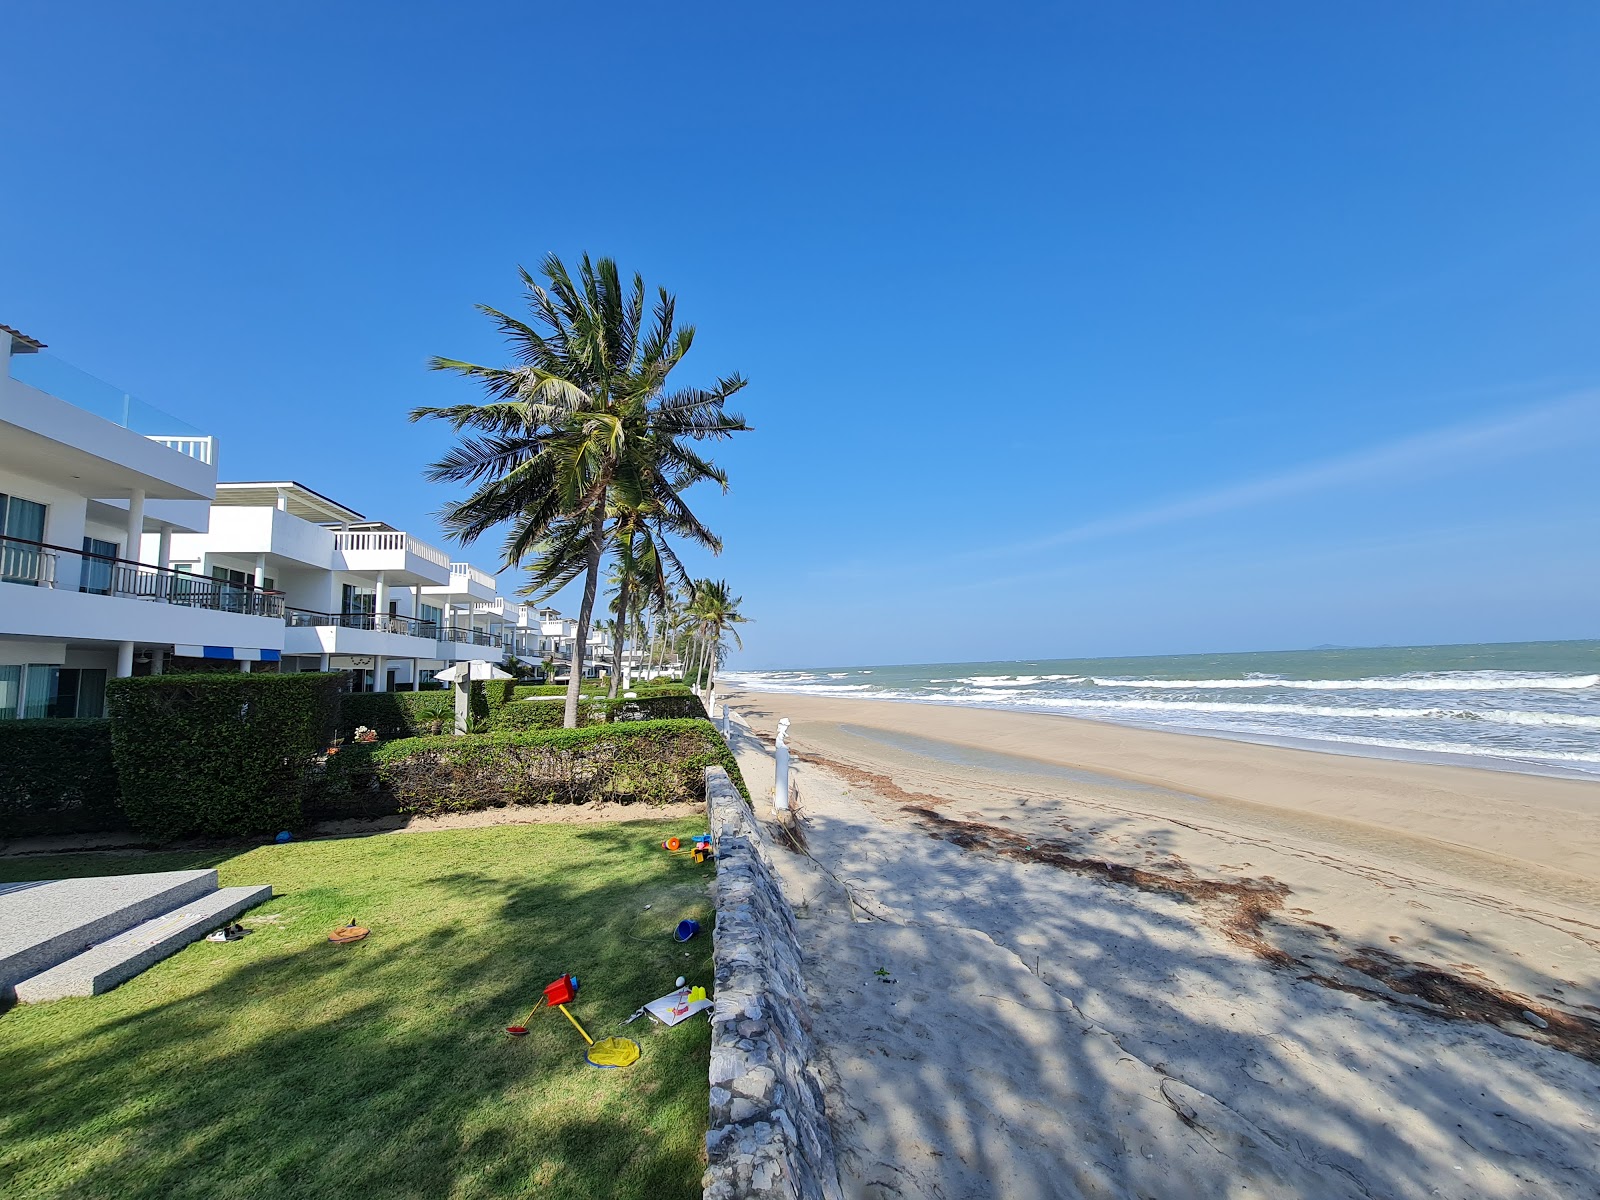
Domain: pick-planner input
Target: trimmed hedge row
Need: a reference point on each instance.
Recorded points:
(218, 755)
(403, 714)
(57, 777)
(647, 762)
(548, 712)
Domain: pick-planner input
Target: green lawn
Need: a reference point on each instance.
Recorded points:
(283, 1065)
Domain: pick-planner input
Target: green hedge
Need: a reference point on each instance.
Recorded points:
(218, 755)
(647, 762)
(665, 706)
(547, 712)
(400, 714)
(57, 776)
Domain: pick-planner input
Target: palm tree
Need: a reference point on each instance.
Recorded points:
(580, 428)
(715, 613)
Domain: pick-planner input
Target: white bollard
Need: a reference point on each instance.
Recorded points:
(727, 727)
(780, 791)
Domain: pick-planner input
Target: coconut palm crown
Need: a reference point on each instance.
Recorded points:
(581, 429)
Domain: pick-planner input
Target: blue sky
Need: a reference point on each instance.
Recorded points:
(1072, 329)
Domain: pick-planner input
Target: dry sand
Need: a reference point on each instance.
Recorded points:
(1057, 958)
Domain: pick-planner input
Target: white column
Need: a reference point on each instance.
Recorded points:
(283, 501)
(323, 664)
(164, 547)
(380, 674)
(244, 666)
(261, 570)
(382, 602)
(125, 652)
(158, 660)
(416, 676)
(135, 524)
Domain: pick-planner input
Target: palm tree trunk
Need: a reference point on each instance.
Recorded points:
(591, 584)
(619, 639)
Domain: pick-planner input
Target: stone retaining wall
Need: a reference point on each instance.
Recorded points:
(769, 1135)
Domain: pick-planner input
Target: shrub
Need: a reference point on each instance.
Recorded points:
(544, 713)
(648, 762)
(661, 687)
(395, 714)
(346, 785)
(664, 706)
(218, 755)
(57, 777)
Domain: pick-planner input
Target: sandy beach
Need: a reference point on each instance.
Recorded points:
(1053, 957)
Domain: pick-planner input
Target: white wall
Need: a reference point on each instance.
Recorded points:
(65, 509)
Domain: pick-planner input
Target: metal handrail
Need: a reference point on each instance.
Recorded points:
(475, 637)
(301, 618)
(38, 564)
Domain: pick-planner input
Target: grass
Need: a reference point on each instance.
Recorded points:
(284, 1065)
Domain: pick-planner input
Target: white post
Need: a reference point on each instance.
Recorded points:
(324, 662)
(780, 791)
(261, 571)
(381, 604)
(416, 676)
(135, 524)
(158, 660)
(164, 547)
(244, 666)
(727, 723)
(380, 674)
(462, 687)
(124, 659)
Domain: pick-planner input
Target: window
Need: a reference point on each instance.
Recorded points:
(97, 571)
(49, 691)
(235, 587)
(431, 616)
(21, 562)
(10, 692)
(357, 606)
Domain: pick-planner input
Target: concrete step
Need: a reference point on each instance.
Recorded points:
(51, 920)
(102, 967)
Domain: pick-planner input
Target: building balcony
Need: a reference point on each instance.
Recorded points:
(406, 560)
(308, 632)
(56, 593)
(457, 644)
(468, 585)
(58, 422)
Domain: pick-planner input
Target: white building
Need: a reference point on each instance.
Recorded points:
(358, 595)
(121, 554)
(87, 475)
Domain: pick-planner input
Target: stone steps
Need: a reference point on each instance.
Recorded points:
(101, 967)
(47, 922)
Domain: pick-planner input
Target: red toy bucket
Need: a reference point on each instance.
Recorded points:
(561, 991)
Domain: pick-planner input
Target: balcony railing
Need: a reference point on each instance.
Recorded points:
(359, 539)
(474, 637)
(82, 390)
(302, 618)
(472, 573)
(39, 564)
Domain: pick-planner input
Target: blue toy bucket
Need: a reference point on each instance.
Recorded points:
(687, 928)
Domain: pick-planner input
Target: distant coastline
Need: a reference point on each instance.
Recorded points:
(1527, 707)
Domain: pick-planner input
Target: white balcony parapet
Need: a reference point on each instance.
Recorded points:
(359, 539)
(472, 573)
(202, 448)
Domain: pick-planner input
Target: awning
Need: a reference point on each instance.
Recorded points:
(228, 653)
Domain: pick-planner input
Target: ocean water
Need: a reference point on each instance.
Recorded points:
(1531, 706)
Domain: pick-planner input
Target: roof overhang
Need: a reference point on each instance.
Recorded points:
(298, 501)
